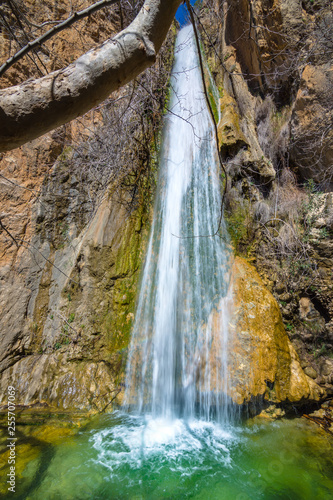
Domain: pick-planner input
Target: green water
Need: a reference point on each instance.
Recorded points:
(138, 458)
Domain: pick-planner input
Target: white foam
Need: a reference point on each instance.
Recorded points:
(175, 443)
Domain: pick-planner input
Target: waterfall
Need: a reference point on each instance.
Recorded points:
(177, 362)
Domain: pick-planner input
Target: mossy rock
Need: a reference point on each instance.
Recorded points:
(231, 138)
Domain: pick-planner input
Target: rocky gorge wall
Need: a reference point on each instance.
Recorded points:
(76, 209)
(75, 214)
(272, 62)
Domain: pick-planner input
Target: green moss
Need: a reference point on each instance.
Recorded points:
(128, 265)
(212, 91)
(71, 318)
(239, 220)
(169, 62)
(213, 102)
(65, 155)
(237, 226)
(116, 272)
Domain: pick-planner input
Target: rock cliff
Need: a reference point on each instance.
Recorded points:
(263, 363)
(75, 214)
(76, 205)
(272, 62)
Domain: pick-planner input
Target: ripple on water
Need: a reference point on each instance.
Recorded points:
(182, 446)
(120, 457)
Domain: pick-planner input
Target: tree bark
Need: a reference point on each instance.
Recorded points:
(33, 108)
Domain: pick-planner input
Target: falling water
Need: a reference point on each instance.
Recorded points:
(177, 363)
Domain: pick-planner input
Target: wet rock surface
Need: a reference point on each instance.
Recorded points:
(274, 61)
(70, 259)
(262, 361)
(275, 112)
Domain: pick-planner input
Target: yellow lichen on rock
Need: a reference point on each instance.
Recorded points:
(231, 137)
(259, 344)
(301, 386)
(262, 362)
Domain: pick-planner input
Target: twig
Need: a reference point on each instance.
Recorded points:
(17, 15)
(28, 245)
(19, 43)
(320, 421)
(9, 234)
(67, 323)
(56, 29)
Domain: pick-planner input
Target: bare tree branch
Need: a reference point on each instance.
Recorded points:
(35, 107)
(76, 16)
(9, 234)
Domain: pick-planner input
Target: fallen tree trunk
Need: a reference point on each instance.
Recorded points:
(35, 107)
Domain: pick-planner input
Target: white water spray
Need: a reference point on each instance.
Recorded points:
(177, 364)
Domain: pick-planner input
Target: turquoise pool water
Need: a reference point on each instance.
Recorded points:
(139, 458)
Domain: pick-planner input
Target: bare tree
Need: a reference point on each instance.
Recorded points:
(33, 108)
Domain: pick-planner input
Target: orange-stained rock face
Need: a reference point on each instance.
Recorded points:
(261, 361)
(23, 170)
(68, 282)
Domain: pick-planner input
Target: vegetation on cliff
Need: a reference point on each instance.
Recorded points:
(273, 65)
(76, 204)
(75, 269)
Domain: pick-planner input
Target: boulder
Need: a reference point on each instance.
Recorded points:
(262, 364)
(231, 138)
